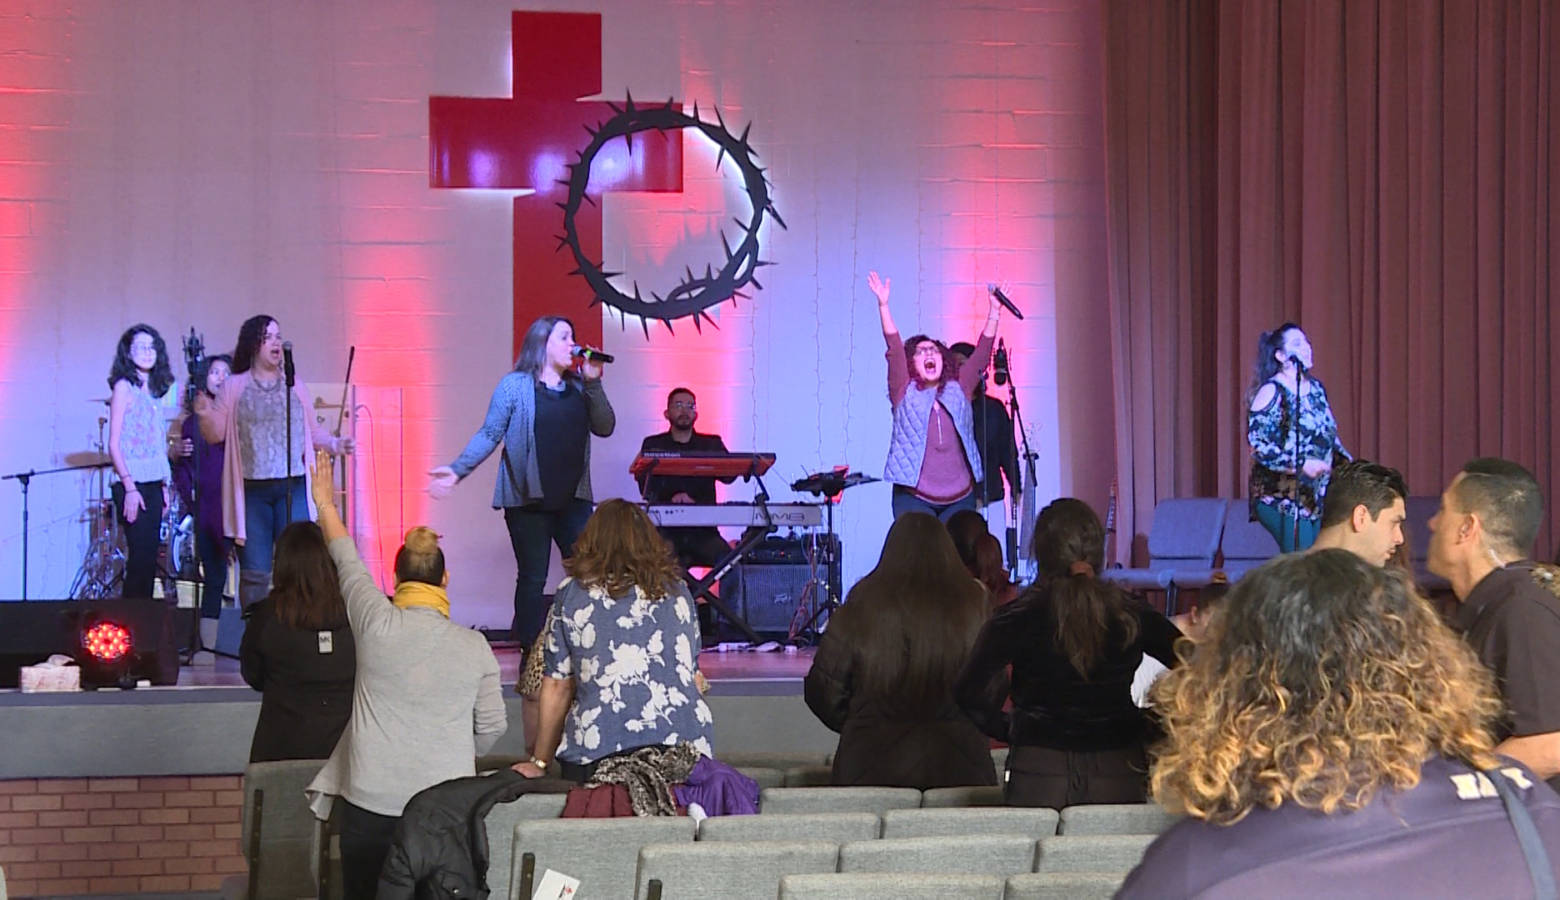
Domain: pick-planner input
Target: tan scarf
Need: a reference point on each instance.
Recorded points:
(409, 594)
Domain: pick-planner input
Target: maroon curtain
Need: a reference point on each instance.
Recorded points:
(1385, 174)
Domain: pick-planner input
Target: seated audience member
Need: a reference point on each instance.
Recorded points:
(883, 675)
(621, 661)
(1193, 624)
(1480, 539)
(1326, 739)
(1073, 642)
(298, 652)
(1364, 511)
(981, 554)
(427, 701)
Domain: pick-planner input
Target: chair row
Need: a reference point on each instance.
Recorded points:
(929, 886)
(1192, 538)
(647, 858)
(537, 831)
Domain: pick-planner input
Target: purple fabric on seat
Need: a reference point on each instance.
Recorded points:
(719, 789)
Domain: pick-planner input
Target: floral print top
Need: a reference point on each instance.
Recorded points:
(1273, 449)
(633, 658)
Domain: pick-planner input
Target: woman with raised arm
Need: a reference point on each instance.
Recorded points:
(543, 414)
(1293, 436)
(137, 446)
(427, 700)
(933, 460)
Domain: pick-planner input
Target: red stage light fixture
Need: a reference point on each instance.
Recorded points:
(107, 649)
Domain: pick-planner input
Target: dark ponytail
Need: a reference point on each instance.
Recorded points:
(1069, 544)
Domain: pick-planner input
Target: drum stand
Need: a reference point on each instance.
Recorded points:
(828, 486)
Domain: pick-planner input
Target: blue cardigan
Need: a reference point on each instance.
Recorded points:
(511, 420)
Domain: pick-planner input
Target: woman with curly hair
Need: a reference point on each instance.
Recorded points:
(1330, 735)
(1074, 643)
(621, 659)
(139, 379)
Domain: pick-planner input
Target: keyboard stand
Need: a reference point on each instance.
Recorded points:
(704, 587)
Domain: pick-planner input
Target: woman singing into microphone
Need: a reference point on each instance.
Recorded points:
(933, 460)
(543, 413)
(262, 492)
(1291, 429)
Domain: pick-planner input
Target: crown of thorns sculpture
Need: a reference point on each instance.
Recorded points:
(694, 294)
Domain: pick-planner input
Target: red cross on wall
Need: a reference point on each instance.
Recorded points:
(527, 141)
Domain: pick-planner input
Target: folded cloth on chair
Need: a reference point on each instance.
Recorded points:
(719, 789)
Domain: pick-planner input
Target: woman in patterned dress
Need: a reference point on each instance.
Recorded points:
(621, 658)
(1283, 390)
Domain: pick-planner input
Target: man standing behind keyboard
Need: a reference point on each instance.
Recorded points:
(694, 546)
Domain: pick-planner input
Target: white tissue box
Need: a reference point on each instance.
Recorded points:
(59, 673)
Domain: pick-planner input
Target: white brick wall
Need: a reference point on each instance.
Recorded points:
(191, 163)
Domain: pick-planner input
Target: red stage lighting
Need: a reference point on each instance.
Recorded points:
(106, 641)
(107, 649)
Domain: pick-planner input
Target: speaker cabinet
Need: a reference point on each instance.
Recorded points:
(32, 631)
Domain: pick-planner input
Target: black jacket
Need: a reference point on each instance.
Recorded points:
(306, 691)
(440, 847)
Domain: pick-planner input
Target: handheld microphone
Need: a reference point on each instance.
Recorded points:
(287, 362)
(1006, 303)
(590, 355)
(1000, 364)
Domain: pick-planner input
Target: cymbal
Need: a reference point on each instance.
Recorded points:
(87, 458)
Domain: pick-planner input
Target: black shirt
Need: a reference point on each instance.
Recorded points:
(562, 428)
(661, 488)
(1512, 621)
(1053, 706)
(998, 451)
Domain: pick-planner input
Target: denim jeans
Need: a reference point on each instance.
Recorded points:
(265, 515)
(905, 501)
(1282, 527)
(532, 531)
(214, 569)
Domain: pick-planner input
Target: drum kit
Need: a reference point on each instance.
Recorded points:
(102, 568)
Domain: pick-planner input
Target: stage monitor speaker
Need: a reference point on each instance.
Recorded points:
(768, 595)
(32, 631)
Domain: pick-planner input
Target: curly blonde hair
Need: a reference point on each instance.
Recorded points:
(1321, 680)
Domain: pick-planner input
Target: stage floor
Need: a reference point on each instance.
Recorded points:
(778, 669)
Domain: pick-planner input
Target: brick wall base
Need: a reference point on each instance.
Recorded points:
(120, 835)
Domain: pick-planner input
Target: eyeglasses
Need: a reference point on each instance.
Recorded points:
(684, 405)
(928, 350)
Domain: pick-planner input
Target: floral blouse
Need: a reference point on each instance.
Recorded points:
(1273, 450)
(633, 658)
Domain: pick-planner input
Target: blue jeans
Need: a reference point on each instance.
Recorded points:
(214, 567)
(905, 501)
(1282, 527)
(532, 531)
(265, 515)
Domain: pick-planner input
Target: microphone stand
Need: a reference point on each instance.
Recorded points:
(1294, 434)
(25, 480)
(1029, 456)
(289, 375)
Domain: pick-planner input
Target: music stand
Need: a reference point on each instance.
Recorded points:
(828, 485)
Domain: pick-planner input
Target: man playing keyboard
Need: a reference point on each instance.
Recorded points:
(693, 546)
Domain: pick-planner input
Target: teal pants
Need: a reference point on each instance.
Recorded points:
(1282, 527)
